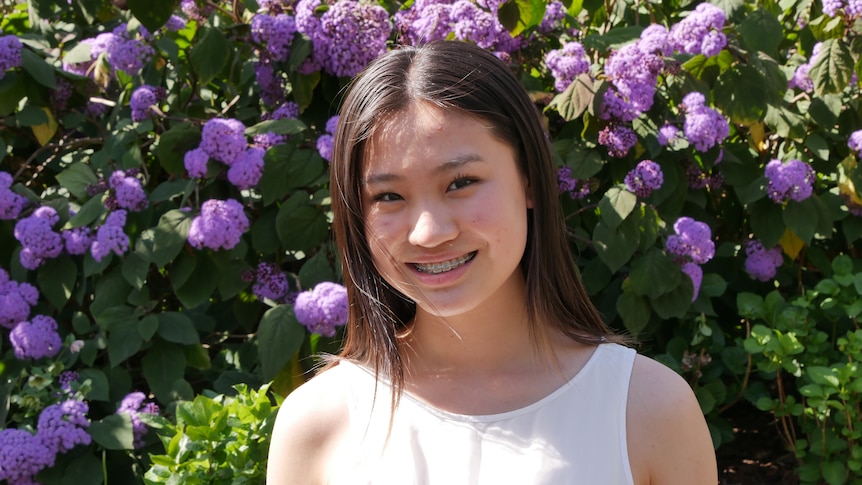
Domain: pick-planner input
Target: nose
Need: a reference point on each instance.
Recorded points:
(433, 227)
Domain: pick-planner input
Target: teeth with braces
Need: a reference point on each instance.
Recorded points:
(445, 266)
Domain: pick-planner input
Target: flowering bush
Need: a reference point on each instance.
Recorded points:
(164, 202)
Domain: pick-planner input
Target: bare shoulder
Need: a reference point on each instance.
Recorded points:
(306, 431)
(668, 440)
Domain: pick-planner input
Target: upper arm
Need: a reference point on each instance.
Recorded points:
(669, 442)
(306, 432)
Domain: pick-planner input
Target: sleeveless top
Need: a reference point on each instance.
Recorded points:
(575, 435)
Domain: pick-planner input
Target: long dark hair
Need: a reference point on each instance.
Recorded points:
(453, 76)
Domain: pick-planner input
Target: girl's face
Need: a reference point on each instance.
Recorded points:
(445, 209)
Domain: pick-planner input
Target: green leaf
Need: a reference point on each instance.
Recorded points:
(210, 54)
(148, 326)
(300, 227)
(750, 305)
(164, 364)
(705, 399)
(616, 37)
(616, 205)
(767, 222)
(98, 384)
(288, 167)
(761, 31)
(173, 145)
(317, 269)
(153, 14)
(742, 94)
(713, 285)
(634, 310)
(518, 15)
(675, 303)
(178, 328)
(654, 274)
(170, 189)
(113, 432)
(13, 88)
(84, 469)
(616, 246)
(279, 337)
(834, 472)
(584, 163)
(832, 69)
(88, 213)
(124, 340)
(287, 126)
(135, 268)
(57, 279)
(200, 285)
(41, 72)
(31, 116)
(76, 178)
(161, 244)
(801, 218)
(577, 97)
(818, 145)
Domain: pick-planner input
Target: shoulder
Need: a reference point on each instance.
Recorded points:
(307, 429)
(668, 440)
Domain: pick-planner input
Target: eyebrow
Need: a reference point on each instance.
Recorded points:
(449, 165)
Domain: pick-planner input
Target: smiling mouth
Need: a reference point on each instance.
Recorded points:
(437, 268)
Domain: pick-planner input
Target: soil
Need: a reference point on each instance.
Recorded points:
(757, 455)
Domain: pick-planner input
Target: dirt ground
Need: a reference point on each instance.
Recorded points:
(757, 456)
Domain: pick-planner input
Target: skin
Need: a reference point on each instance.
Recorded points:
(467, 349)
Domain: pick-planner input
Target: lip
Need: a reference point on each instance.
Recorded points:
(446, 276)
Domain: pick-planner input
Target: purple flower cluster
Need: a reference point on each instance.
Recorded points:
(273, 84)
(195, 162)
(566, 64)
(39, 242)
(287, 110)
(36, 338)
(577, 189)
(854, 143)
(698, 179)
(60, 96)
(555, 11)
(801, 78)
(644, 178)
(128, 191)
(325, 141)
(481, 26)
(78, 240)
(110, 237)
(142, 99)
(66, 379)
(122, 51)
(194, 11)
(322, 309)
(275, 32)
(220, 225)
(791, 180)
(762, 263)
(22, 455)
(223, 139)
(245, 172)
(692, 245)
(62, 426)
(831, 7)
(633, 72)
(425, 21)
(10, 53)
(11, 203)
(853, 8)
(270, 282)
(346, 37)
(175, 23)
(133, 405)
(667, 134)
(15, 300)
(700, 32)
(618, 139)
(704, 127)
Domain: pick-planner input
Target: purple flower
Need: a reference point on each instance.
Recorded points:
(78, 240)
(325, 147)
(275, 32)
(63, 426)
(644, 178)
(195, 12)
(332, 124)
(246, 170)
(577, 189)
(698, 179)
(11, 203)
(762, 263)
(830, 7)
(424, 21)
(801, 78)
(854, 143)
(272, 84)
(175, 23)
(15, 300)
(692, 241)
(223, 139)
(22, 455)
(481, 26)
(655, 39)
(666, 134)
(128, 54)
(142, 99)
(633, 72)
(66, 379)
(133, 405)
(696, 33)
(695, 273)
(323, 308)
(346, 37)
(618, 139)
(36, 339)
(853, 8)
(195, 162)
(39, 242)
(566, 64)
(704, 127)
(128, 191)
(61, 95)
(111, 237)
(555, 11)
(791, 180)
(10, 53)
(271, 282)
(220, 225)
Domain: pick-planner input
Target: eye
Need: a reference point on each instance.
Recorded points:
(461, 182)
(386, 197)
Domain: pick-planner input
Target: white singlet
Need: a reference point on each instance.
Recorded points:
(575, 435)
